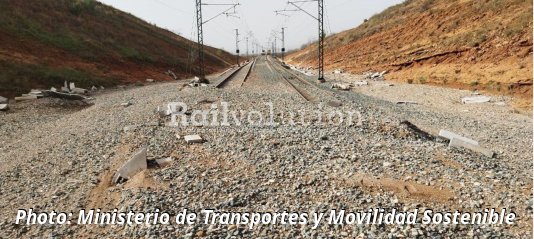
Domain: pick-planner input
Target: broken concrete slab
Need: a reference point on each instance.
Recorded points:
(53, 89)
(475, 99)
(39, 96)
(66, 96)
(4, 107)
(450, 135)
(72, 85)
(164, 161)
(35, 92)
(455, 142)
(25, 98)
(132, 167)
(341, 86)
(192, 139)
(79, 91)
(3, 100)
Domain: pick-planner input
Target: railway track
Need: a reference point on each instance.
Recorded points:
(236, 77)
(288, 77)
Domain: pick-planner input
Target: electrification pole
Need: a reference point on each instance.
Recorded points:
(283, 43)
(321, 40)
(200, 34)
(320, 20)
(247, 45)
(237, 45)
(200, 44)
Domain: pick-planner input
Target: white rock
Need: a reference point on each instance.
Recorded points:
(4, 107)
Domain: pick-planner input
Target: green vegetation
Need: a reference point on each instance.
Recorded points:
(79, 6)
(134, 54)
(16, 77)
(422, 80)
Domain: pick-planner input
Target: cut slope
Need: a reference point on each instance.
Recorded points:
(43, 43)
(485, 45)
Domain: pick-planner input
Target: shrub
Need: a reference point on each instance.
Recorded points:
(422, 80)
(80, 6)
(410, 81)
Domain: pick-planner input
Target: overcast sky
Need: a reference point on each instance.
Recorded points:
(253, 18)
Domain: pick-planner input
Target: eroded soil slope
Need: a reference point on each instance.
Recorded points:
(483, 45)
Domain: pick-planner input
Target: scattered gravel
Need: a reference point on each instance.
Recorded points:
(61, 158)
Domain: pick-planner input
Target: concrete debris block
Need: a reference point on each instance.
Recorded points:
(405, 102)
(450, 135)
(4, 107)
(3, 100)
(65, 89)
(341, 86)
(79, 91)
(150, 80)
(338, 71)
(102, 88)
(72, 85)
(171, 74)
(132, 167)
(30, 95)
(66, 96)
(24, 98)
(53, 89)
(361, 83)
(66, 85)
(475, 99)
(93, 88)
(383, 73)
(193, 139)
(35, 92)
(164, 161)
(455, 142)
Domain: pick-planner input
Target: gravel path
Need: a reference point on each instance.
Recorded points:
(62, 158)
